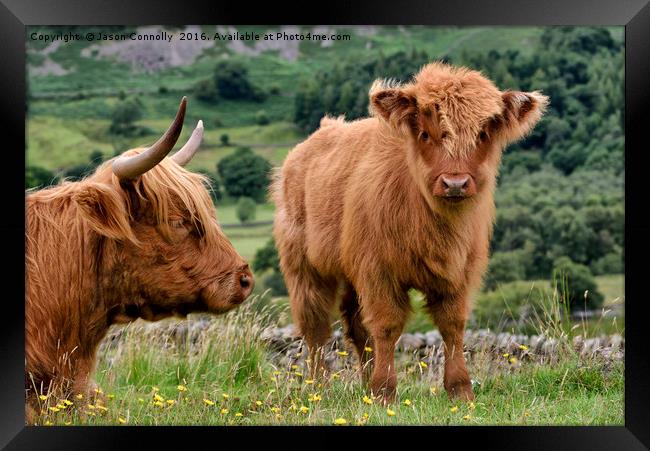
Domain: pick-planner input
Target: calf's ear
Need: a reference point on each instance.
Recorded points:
(521, 112)
(105, 211)
(392, 103)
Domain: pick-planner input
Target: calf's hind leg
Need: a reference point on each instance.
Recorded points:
(356, 332)
(312, 300)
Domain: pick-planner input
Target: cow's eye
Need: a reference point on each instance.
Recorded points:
(424, 136)
(176, 223)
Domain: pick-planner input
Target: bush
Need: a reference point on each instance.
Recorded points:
(261, 118)
(267, 257)
(125, 113)
(38, 177)
(244, 173)
(225, 140)
(611, 263)
(514, 302)
(206, 91)
(504, 267)
(246, 209)
(275, 283)
(231, 82)
(573, 281)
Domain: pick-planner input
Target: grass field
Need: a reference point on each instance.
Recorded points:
(231, 380)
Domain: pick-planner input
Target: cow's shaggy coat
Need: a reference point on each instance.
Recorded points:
(106, 250)
(368, 209)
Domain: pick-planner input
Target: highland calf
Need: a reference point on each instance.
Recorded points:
(368, 209)
(139, 238)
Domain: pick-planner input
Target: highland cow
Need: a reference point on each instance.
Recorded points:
(367, 210)
(138, 238)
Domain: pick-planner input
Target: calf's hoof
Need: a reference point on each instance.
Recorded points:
(462, 391)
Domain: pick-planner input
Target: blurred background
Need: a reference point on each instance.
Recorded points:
(560, 197)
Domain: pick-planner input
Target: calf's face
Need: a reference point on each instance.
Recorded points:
(454, 124)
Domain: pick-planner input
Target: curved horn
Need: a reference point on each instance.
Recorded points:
(183, 156)
(132, 166)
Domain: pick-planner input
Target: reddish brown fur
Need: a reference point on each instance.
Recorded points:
(104, 251)
(361, 214)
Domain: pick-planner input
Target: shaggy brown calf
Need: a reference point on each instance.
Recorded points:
(139, 238)
(369, 209)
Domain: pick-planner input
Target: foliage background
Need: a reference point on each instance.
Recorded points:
(560, 192)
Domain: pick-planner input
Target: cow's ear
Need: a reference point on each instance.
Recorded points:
(392, 103)
(521, 111)
(105, 211)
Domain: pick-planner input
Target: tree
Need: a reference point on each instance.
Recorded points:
(225, 140)
(38, 177)
(266, 258)
(206, 91)
(261, 118)
(123, 116)
(232, 82)
(246, 209)
(244, 173)
(503, 267)
(576, 284)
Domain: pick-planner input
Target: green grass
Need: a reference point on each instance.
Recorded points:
(232, 369)
(611, 285)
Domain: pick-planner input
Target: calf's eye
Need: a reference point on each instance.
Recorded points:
(424, 136)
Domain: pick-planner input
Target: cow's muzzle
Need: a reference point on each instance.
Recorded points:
(454, 187)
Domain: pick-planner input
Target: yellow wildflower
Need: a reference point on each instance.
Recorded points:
(42, 397)
(154, 388)
(390, 413)
(80, 396)
(423, 365)
(454, 409)
(513, 360)
(67, 423)
(342, 353)
(294, 367)
(506, 355)
(48, 423)
(67, 403)
(407, 402)
(91, 407)
(224, 411)
(433, 390)
(171, 402)
(466, 417)
(298, 374)
(258, 403)
(61, 406)
(367, 400)
(225, 395)
(121, 420)
(340, 422)
(293, 407)
(99, 391)
(157, 397)
(315, 397)
(365, 415)
(277, 373)
(275, 409)
(523, 347)
(367, 349)
(158, 404)
(472, 405)
(304, 409)
(110, 396)
(102, 408)
(239, 414)
(309, 381)
(336, 376)
(273, 379)
(181, 388)
(54, 409)
(140, 400)
(208, 402)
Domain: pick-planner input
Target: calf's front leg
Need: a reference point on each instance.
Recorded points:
(450, 316)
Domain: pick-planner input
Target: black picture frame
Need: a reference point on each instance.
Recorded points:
(633, 14)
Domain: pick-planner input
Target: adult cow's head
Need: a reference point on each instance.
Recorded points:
(167, 254)
(456, 123)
